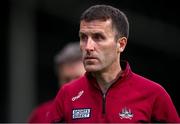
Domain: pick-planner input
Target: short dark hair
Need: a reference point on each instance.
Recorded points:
(105, 12)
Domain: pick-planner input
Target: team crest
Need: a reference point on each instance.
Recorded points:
(126, 114)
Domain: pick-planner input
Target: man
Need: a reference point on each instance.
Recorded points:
(109, 91)
(68, 65)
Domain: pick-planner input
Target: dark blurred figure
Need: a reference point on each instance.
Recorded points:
(68, 65)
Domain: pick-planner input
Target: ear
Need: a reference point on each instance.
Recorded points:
(121, 44)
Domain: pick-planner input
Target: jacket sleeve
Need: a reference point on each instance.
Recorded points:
(164, 109)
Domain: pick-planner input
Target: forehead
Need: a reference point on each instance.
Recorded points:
(95, 25)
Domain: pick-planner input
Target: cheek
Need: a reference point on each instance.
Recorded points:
(82, 48)
(82, 45)
(109, 51)
(110, 54)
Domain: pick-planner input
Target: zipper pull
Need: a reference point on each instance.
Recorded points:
(104, 103)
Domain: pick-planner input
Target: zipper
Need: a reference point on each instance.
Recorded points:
(104, 97)
(104, 103)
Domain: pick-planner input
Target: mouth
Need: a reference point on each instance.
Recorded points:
(89, 58)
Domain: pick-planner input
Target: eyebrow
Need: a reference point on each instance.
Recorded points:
(92, 32)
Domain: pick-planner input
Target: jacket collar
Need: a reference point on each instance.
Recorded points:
(123, 76)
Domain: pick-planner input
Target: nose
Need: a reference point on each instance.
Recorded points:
(89, 45)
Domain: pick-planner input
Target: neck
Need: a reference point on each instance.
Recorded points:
(107, 77)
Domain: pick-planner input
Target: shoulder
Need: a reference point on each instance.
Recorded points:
(72, 87)
(43, 107)
(39, 112)
(143, 83)
(76, 83)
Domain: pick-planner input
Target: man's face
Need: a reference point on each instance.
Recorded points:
(70, 70)
(99, 49)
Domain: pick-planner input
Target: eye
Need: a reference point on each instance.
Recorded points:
(98, 37)
(83, 37)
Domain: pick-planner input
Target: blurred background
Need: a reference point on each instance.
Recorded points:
(33, 31)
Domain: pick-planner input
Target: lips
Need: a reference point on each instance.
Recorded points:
(90, 58)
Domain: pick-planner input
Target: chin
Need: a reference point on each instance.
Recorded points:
(91, 69)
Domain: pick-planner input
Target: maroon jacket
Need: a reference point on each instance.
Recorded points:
(131, 98)
(39, 114)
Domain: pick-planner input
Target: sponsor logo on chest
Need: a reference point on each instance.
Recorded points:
(81, 113)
